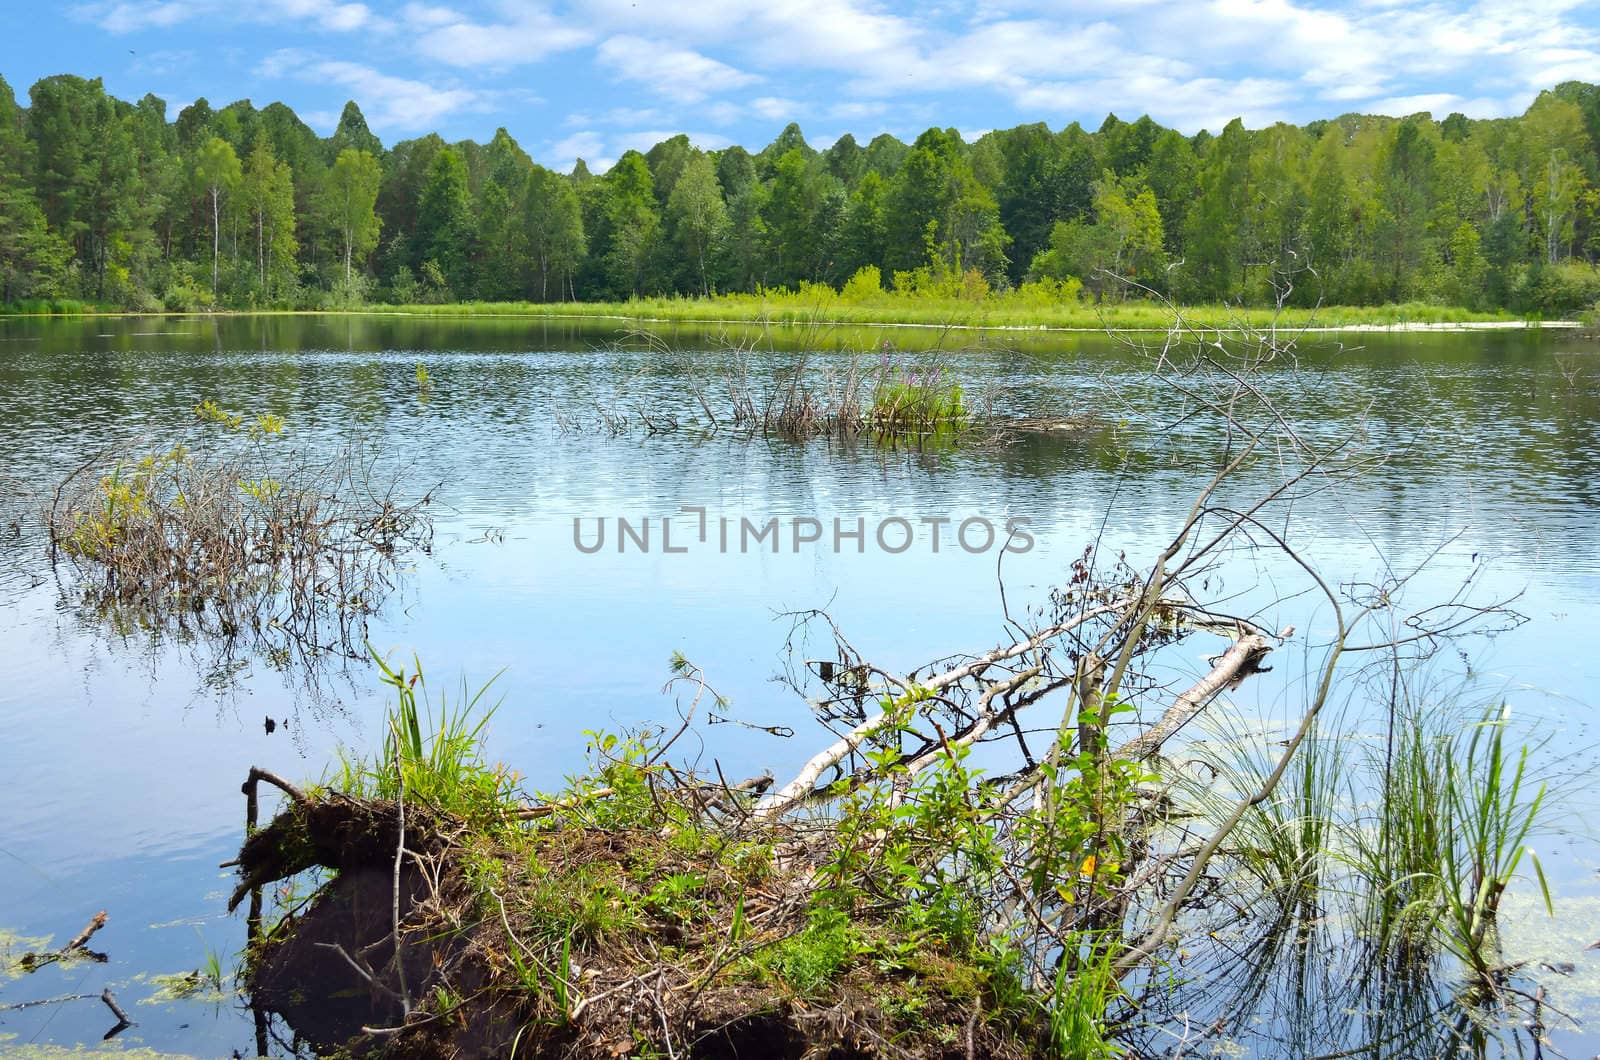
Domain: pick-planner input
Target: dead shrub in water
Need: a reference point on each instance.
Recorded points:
(883, 395)
(243, 533)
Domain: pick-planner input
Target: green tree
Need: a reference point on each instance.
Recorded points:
(352, 133)
(866, 224)
(630, 227)
(555, 233)
(792, 202)
(666, 161)
(217, 174)
(1123, 242)
(86, 175)
(444, 218)
(501, 244)
(350, 197)
(746, 249)
(697, 217)
(940, 213)
(267, 191)
(1212, 243)
(1403, 233)
(33, 260)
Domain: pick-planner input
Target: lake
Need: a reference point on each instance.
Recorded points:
(122, 748)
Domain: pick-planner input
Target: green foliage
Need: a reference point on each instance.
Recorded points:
(1077, 1005)
(865, 285)
(349, 197)
(906, 400)
(1456, 813)
(129, 492)
(108, 202)
(810, 961)
(432, 752)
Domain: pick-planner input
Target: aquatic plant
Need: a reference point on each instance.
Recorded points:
(237, 532)
(906, 400)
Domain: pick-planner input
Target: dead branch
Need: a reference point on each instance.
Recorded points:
(1232, 667)
(781, 800)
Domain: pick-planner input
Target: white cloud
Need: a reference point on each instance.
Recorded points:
(588, 145)
(1436, 103)
(723, 112)
(136, 15)
(528, 34)
(392, 104)
(1189, 106)
(775, 108)
(161, 62)
(678, 73)
(131, 16)
(335, 16)
(855, 110)
(634, 116)
(281, 63)
(1188, 63)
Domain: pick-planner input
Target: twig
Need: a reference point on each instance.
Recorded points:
(96, 922)
(529, 813)
(46, 1001)
(399, 855)
(116, 1010)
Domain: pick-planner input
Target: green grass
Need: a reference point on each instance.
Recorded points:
(1403, 851)
(432, 750)
(916, 401)
(50, 307)
(1456, 813)
(818, 306)
(994, 311)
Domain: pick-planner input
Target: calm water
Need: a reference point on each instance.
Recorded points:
(121, 752)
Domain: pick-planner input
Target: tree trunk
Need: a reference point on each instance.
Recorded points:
(216, 240)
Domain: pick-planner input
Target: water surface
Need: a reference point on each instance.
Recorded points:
(122, 750)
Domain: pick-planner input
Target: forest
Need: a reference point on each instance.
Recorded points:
(110, 204)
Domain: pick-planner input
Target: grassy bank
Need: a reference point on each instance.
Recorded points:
(995, 311)
(823, 308)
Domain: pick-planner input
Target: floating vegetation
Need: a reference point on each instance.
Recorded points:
(14, 949)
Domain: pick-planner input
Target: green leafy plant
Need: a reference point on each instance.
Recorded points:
(432, 750)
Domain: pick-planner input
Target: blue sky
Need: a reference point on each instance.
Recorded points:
(596, 77)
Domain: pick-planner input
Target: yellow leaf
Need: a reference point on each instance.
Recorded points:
(1087, 868)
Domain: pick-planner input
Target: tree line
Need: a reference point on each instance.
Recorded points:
(107, 201)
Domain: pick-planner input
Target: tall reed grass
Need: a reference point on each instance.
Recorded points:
(1373, 882)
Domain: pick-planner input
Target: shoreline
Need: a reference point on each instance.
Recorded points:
(1198, 324)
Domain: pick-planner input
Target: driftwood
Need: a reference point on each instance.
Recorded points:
(782, 799)
(1230, 668)
(76, 949)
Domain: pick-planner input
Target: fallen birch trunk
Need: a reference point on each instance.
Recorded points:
(780, 800)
